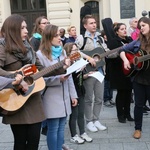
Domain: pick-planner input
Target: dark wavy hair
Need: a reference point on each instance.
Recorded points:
(117, 25)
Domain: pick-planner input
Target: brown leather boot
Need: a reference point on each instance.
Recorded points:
(137, 134)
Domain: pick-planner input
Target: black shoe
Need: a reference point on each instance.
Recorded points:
(146, 108)
(44, 131)
(130, 118)
(122, 120)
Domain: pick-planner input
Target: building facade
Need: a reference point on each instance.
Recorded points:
(67, 12)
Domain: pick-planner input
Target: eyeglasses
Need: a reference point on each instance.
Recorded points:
(45, 23)
(75, 50)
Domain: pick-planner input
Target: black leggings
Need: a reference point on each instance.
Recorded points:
(26, 136)
(77, 116)
(123, 100)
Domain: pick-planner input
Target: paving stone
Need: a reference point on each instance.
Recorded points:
(118, 136)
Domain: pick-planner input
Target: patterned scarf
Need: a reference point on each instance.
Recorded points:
(28, 57)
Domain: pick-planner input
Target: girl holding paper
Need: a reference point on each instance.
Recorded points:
(77, 115)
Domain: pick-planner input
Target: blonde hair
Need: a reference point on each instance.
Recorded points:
(69, 28)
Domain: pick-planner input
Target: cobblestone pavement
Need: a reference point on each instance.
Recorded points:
(118, 136)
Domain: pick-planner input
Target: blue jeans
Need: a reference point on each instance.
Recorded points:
(141, 92)
(55, 133)
(108, 92)
(44, 124)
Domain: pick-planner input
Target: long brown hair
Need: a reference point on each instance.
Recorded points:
(11, 31)
(48, 34)
(36, 28)
(145, 40)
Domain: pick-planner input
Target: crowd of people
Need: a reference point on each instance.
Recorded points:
(79, 95)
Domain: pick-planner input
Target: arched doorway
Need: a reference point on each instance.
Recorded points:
(94, 10)
(30, 9)
(90, 7)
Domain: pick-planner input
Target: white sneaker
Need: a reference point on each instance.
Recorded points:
(99, 126)
(85, 137)
(66, 147)
(91, 127)
(77, 139)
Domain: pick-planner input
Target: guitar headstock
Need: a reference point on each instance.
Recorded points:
(29, 70)
(75, 56)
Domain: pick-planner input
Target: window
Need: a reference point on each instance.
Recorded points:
(42, 4)
(30, 9)
(14, 4)
(24, 4)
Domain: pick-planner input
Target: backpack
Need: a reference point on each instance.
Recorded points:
(85, 40)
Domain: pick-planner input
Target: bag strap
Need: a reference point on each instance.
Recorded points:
(84, 42)
(100, 41)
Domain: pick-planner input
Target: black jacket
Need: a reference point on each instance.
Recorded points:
(35, 43)
(114, 72)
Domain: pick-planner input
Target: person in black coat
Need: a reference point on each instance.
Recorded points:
(117, 37)
(40, 23)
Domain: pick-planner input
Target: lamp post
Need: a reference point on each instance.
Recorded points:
(144, 13)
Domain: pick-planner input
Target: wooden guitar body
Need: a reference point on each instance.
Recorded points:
(11, 101)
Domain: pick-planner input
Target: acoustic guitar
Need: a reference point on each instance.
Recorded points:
(138, 61)
(98, 54)
(27, 70)
(12, 100)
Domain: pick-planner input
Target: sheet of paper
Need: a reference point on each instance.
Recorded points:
(98, 75)
(76, 66)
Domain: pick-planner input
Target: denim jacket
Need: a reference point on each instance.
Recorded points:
(134, 47)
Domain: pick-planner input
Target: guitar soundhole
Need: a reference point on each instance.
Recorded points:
(96, 57)
(29, 80)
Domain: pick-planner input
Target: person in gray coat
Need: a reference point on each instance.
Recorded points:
(60, 90)
(15, 52)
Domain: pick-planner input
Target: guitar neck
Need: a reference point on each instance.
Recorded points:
(142, 58)
(48, 70)
(109, 52)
